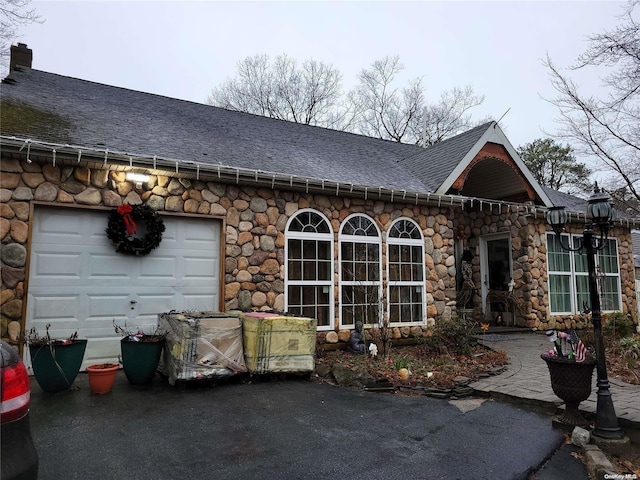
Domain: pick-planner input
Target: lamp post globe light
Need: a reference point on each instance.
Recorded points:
(600, 216)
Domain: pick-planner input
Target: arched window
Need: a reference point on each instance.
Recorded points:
(360, 271)
(309, 273)
(405, 273)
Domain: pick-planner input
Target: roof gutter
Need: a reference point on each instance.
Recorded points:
(105, 158)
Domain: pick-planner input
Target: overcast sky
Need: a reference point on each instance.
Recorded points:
(183, 49)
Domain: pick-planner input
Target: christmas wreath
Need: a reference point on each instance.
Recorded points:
(122, 229)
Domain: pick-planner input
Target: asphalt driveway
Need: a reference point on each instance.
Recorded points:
(292, 429)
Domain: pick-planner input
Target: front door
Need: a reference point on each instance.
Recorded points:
(496, 274)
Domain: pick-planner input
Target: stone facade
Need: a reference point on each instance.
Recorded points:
(529, 259)
(255, 220)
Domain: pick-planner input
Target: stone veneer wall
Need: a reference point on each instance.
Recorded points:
(254, 239)
(529, 257)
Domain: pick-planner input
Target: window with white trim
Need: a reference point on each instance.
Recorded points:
(360, 271)
(569, 279)
(309, 260)
(405, 273)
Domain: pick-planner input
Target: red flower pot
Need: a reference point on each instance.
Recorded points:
(101, 377)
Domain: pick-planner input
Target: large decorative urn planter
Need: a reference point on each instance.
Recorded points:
(101, 377)
(56, 363)
(572, 383)
(140, 358)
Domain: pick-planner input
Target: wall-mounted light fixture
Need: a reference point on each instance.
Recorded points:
(137, 178)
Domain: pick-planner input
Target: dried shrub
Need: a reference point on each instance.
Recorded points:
(618, 325)
(455, 336)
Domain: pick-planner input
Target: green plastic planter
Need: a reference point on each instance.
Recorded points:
(140, 359)
(56, 365)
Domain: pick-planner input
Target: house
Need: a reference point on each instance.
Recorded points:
(261, 213)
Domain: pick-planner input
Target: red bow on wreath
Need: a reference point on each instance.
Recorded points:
(125, 210)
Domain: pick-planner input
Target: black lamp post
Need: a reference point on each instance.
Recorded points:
(600, 215)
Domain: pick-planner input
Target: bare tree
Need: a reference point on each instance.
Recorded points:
(386, 111)
(308, 94)
(13, 14)
(608, 127)
(621, 198)
(402, 114)
(312, 94)
(449, 116)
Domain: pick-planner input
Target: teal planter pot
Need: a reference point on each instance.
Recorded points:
(140, 359)
(56, 365)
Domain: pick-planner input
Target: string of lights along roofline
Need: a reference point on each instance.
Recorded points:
(144, 161)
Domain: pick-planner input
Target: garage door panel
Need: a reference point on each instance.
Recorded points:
(51, 265)
(59, 238)
(194, 302)
(52, 231)
(59, 227)
(190, 236)
(51, 307)
(106, 321)
(199, 289)
(196, 233)
(199, 245)
(135, 270)
(104, 268)
(151, 304)
(102, 326)
(158, 267)
(78, 282)
(103, 350)
(197, 236)
(199, 268)
(99, 304)
(170, 235)
(61, 327)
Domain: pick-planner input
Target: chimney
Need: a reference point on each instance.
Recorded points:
(21, 56)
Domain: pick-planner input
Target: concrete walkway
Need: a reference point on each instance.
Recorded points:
(526, 380)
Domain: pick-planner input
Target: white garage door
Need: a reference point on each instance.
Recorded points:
(78, 283)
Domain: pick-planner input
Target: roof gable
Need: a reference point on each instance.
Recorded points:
(493, 134)
(493, 174)
(441, 165)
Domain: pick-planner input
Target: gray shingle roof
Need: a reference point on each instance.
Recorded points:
(83, 113)
(434, 164)
(575, 204)
(571, 202)
(58, 109)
